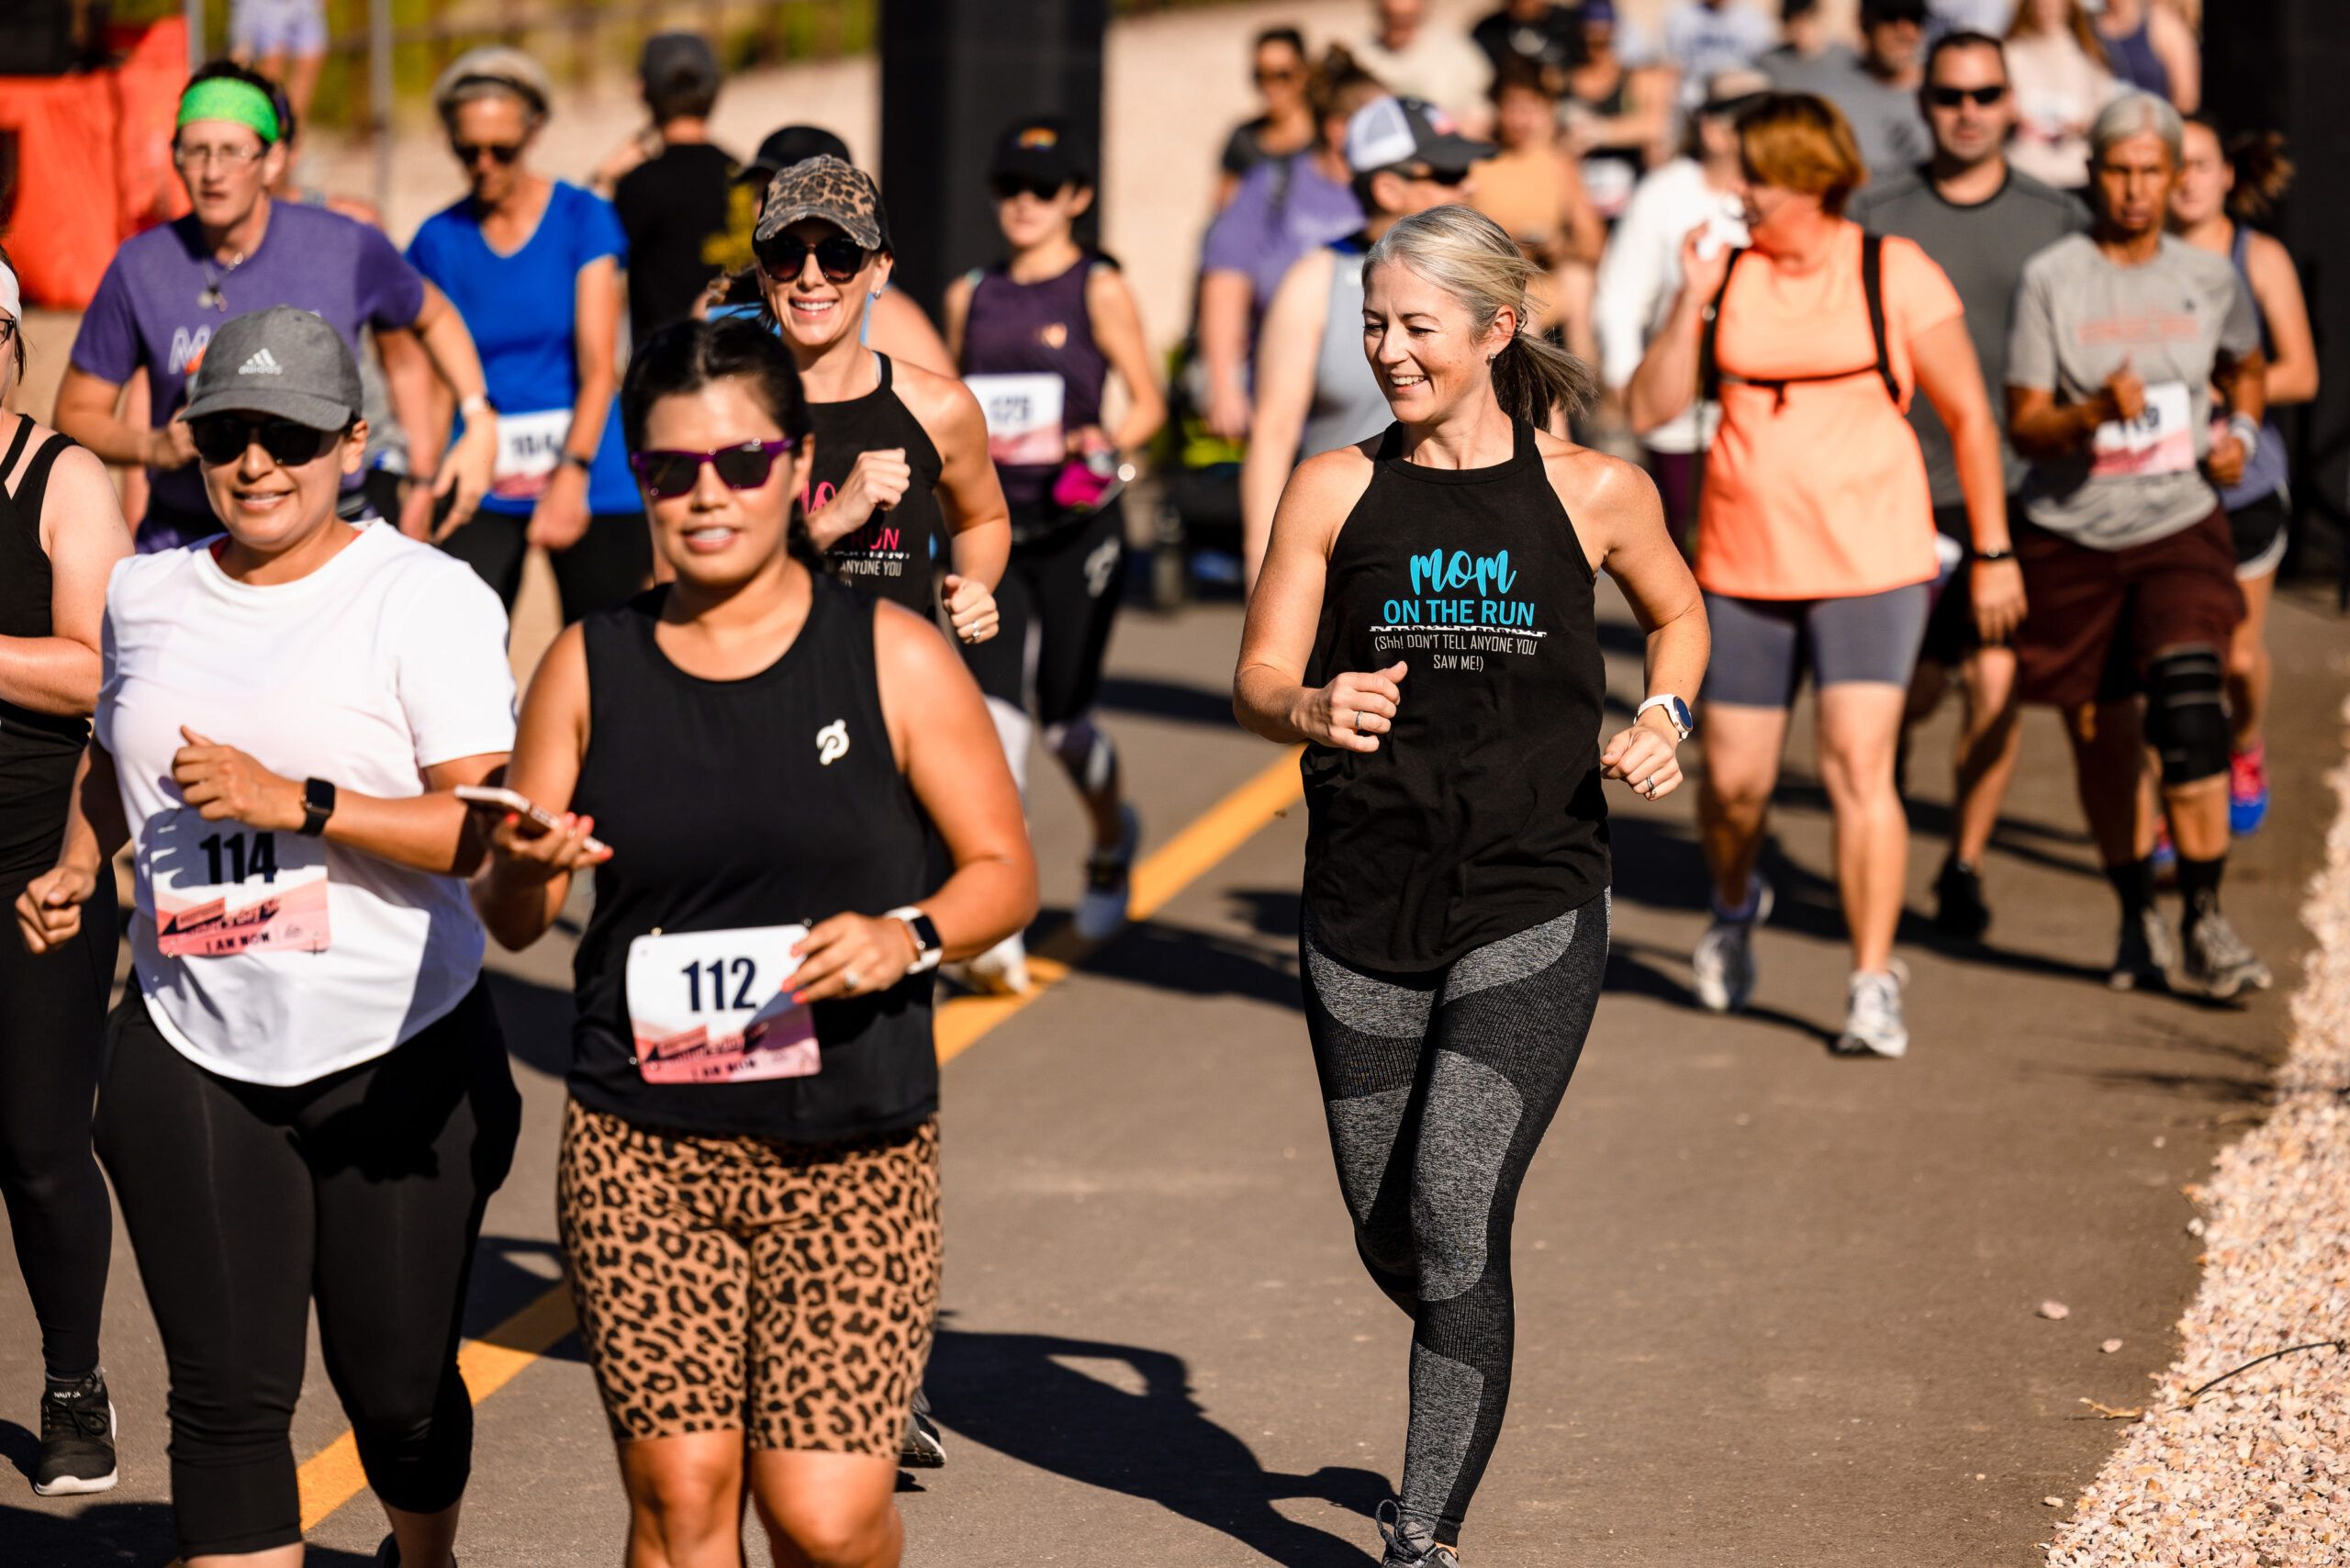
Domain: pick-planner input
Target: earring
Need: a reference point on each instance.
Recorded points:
(875, 295)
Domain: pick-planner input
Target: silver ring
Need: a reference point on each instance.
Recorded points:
(853, 980)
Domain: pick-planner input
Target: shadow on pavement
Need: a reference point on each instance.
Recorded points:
(110, 1532)
(1013, 1392)
(1194, 963)
(1147, 697)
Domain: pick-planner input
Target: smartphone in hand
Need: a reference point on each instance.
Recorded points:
(495, 801)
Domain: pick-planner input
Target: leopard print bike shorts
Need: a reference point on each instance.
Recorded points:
(783, 1289)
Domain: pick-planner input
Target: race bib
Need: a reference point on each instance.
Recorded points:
(715, 1006)
(2160, 440)
(1608, 183)
(222, 887)
(1024, 418)
(529, 447)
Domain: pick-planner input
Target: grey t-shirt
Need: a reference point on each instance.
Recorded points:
(1982, 249)
(1888, 122)
(2078, 316)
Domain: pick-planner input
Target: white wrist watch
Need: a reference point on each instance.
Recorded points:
(1677, 714)
(925, 934)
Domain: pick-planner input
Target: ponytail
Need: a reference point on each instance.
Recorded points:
(2263, 175)
(1472, 259)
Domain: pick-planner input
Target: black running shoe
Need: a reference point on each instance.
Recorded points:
(1406, 1552)
(1959, 909)
(921, 1448)
(76, 1441)
(387, 1555)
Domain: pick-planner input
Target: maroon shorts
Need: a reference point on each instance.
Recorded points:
(2095, 618)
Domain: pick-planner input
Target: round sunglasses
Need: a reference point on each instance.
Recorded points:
(838, 257)
(471, 153)
(667, 473)
(222, 438)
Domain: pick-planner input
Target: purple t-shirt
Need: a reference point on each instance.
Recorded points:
(149, 310)
(1284, 208)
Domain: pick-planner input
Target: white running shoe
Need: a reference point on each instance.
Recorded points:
(1873, 1021)
(1002, 970)
(1109, 878)
(1723, 966)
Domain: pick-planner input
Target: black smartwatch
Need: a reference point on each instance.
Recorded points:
(584, 465)
(317, 805)
(925, 935)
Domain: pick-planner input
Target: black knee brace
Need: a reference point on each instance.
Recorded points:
(2186, 717)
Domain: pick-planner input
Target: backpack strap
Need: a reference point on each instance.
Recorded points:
(1709, 370)
(1873, 287)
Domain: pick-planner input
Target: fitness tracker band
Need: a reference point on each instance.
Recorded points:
(317, 805)
(1677, 714)
(927, 951)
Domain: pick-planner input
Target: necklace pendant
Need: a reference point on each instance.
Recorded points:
(211, 299)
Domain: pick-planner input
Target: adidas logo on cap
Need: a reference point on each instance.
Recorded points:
(262, 363)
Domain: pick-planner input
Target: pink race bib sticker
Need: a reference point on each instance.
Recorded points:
(1024, 414)
(291, 918)
(714, 1007)
(2160, 440)
(219, 889)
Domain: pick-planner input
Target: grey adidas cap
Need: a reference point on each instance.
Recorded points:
(280, 361)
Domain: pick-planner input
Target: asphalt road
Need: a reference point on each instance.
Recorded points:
(1774, 1307)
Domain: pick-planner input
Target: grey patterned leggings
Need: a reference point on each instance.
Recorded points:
(1439, 1088)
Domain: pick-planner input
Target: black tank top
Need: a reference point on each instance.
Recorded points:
(775, 799)
(1481, 813)
(38, 751)
(891, 554)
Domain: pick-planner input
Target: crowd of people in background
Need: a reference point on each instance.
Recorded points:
(1940, 357)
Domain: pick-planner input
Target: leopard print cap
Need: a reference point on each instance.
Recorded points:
(823, 186)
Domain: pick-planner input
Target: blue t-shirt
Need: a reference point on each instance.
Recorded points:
(153, 310)
(522, 311)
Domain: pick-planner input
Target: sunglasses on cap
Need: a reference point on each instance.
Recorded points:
(222, 438)
(471, 153)
(838, 257)
(1007, 187)
(1981, 97)
(667, 474)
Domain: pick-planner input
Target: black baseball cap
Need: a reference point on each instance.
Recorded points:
(281, 360)
(1894, 11)
(796, 144)
(1044, 150)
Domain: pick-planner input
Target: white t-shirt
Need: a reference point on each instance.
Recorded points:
(1639, 277)
(276, 959)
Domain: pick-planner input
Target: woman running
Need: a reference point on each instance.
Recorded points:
(1816, 528)
(61, 533)
(1425, 624)
(534, 265)
(2220, 189)
(1039, 335)
(898, 470)
(305, 1097)
(740, 1063)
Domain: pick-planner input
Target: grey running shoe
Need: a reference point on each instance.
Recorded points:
(1723, 966)
(1873, 1021)
(921, 1448)
(2218, 963)
(1403, 1551)
(76, 1441)
(2146, 956)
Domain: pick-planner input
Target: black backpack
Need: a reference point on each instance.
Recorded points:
(1710, 375)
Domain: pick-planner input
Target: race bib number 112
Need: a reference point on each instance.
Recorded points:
(715, 1006)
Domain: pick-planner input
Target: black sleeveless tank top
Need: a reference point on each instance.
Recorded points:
(38, 751)
(1481, 813)
(891, 554)
(774, 800)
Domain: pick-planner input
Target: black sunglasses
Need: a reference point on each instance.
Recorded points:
(470, 153)
(1007, 187)
(838, 257)
(1951, 97)
(668, 474)
(1438, 174)
(222, 438)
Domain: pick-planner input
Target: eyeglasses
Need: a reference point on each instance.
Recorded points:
(667, 474)
(1277, 75)
(1981, 97)
(222, 438)
(7, 330)
(1007, 187)
(1437, 174)
(229, 157)
(838, 257)
(501, 152)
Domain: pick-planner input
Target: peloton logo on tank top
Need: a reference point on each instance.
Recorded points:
(832, 742)
(1461, 611)
(877, 550)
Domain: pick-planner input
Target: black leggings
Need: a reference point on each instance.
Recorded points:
(363, 1190)
(1439, 1088)
(611, 564)
(1058, 601)
(52, 1023)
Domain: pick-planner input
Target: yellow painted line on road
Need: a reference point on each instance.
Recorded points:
(332, 1477)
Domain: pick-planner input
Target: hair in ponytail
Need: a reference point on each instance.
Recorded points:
(1472, 259)
(2263, 175)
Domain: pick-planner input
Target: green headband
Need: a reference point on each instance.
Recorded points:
(225, 97)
